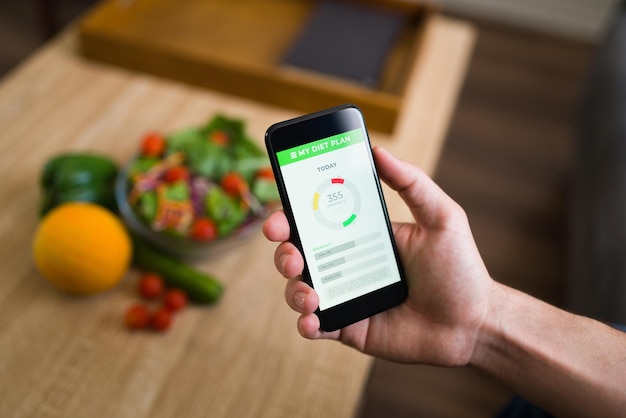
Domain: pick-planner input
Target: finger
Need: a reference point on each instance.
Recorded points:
(309, 327)
(301, 297)
(288, 260)
(429, 205)
(304, 299)
(276, 227)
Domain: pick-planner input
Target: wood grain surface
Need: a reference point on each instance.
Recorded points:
(63, 356)
(239, 48)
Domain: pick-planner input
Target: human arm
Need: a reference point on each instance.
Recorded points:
(457, 315)
(570, 365)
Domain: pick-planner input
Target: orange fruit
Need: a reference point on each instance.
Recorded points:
(82, 248)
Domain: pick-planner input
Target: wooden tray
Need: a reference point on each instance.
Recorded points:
(236, 47)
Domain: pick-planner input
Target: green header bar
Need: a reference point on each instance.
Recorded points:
(319, 147)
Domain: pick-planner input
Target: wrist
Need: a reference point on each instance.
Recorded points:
(565, 363)
(491, 332)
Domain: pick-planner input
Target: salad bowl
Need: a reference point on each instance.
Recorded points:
(197, 191)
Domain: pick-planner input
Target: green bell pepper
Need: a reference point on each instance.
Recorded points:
(78, 177)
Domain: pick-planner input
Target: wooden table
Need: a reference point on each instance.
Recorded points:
(63, 356)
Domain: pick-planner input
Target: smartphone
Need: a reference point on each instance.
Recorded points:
(334, 203)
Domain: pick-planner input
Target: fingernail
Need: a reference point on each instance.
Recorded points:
(298, 299)
(282, 260)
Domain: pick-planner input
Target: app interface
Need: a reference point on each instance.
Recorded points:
(334, 198)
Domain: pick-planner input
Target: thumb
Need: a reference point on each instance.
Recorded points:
(429, 205)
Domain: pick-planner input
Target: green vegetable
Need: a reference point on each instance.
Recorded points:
(204, 157)
(101, 195)
(178, 191)
(148, 206)
(200, 287)
(248, 167)
(213, 160)
(143, 164)
(243, 146)
(227, 213)
(98, 164)
(78, 177)
(265, 190)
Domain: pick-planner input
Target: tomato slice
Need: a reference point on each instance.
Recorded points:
(175, 174)
(265, 173)
(203, 229)
(153, 144)
(220, 138)
(233, 184)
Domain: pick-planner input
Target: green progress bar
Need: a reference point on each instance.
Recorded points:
(349, 220)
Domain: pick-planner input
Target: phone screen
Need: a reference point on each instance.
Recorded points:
(341, 221)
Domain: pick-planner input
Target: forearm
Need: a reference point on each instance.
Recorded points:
(567, 364)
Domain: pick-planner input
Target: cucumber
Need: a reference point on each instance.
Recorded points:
(200, 287)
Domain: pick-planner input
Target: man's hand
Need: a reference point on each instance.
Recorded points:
(449, 286)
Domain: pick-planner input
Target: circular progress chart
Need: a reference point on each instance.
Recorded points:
(336, 203)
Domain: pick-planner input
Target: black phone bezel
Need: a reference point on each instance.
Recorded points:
(312, 127)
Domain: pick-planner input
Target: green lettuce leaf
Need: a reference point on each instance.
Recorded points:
(224, 210)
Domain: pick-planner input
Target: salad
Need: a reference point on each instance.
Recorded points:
(201, 183)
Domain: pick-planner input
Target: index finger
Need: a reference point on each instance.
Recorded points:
(276, 227)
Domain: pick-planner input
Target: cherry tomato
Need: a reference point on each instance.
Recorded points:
(175, 300)
(265, 173)
(203, 229)
(152, 144)
(220, 138)
(161, 319)
(151, 286)
(177, 173)
(234, 184)
(137, 317)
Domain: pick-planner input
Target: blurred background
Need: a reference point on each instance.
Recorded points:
(28, 23)
(509, 160)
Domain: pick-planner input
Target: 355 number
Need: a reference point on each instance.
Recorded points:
(333, 197)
